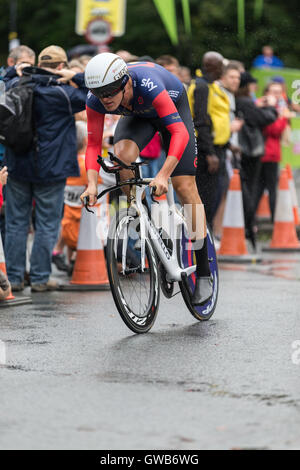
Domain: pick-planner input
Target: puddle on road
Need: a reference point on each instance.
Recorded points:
(281, 267)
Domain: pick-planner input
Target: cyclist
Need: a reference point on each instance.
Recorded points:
(149, 99)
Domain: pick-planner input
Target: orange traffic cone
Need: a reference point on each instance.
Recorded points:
(294, 194)
(284, 233)
(233, 246)
(263, 211)
(10, 299)
(90, 266)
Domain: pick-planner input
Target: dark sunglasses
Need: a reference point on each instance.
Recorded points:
(111, 90)
(106, 93)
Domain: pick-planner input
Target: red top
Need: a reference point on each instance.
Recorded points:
(1, 196)
(272, 135)
(153, 149)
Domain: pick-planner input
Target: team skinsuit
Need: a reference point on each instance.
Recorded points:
(159, 104)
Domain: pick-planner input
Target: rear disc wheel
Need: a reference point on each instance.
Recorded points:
(187, 285)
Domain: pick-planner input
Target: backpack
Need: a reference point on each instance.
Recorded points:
(17, 129)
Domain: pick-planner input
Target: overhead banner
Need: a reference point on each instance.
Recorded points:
(241, 20)
(167, 11)
(186, 15)
(112, 11)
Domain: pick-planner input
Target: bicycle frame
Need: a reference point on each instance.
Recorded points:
(170, 261)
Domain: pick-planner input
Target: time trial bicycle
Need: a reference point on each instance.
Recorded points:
(142, 257)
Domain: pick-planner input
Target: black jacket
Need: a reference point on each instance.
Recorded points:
(202, 120)
(254, 116)
(251, 140)
(54, 107)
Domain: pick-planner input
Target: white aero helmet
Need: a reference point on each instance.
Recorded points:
(106, 74)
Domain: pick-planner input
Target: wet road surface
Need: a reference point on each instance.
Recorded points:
(76, 378)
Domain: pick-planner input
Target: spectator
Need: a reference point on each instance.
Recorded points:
(185, 76)
(3, 181)
(229, 83)
(169, 63)
(84, 59)
(19, 58)
(40, 174)
(210, 108)
(292, 105)
(127, 56)
(76, 66)
(251, 143)
(268, 174)
(150, 155)
(240, 65)
(4, 283)
(82, 50)
(145, 58)
(74, 187)
(19, 55)
(267, 59)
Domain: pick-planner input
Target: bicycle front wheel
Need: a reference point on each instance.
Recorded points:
(135, 290)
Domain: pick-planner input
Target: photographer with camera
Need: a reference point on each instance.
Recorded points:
(40, 173)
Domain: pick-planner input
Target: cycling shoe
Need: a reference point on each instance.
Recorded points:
(203, 290)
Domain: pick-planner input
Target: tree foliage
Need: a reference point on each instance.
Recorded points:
(214, 27)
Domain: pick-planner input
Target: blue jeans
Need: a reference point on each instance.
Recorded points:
(49, 199)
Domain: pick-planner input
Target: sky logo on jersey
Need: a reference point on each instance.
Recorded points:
(148, 84)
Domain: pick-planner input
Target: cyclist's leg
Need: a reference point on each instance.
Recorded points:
(131, 136)
(186, 189)
(184, 182)
(183, 177)
(128, 152)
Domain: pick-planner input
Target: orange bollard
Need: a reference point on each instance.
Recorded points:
(293, 194)
(90, 271)
(10, 300)
(263, 211)
(233, 246)
(284, 236)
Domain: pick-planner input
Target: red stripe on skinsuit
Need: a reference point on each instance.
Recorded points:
(179, 133)
(95, 124)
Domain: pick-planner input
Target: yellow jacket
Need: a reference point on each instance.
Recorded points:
(216, 113)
